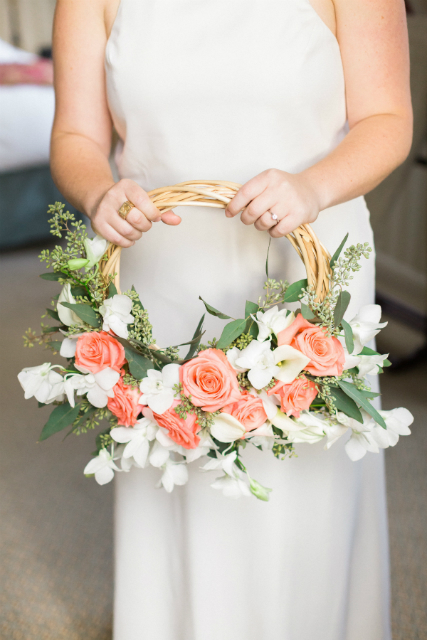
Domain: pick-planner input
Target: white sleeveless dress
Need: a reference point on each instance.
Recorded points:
(223, 89)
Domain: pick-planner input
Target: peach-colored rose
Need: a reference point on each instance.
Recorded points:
(125, 405)
(97, 350)
(296, 396)
(181, 431)
(249, 411)
(326, 353)
(210, 380)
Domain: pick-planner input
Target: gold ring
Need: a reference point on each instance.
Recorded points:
(125, 209)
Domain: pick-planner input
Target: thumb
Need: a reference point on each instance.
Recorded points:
(170, 218)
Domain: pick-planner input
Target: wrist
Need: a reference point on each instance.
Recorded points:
(319, 187)
(93, 198)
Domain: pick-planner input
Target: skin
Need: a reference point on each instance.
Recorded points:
(372, 36)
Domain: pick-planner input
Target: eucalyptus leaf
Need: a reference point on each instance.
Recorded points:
(341, 307)
(53, 275)
(50, 329)
(53, 314)
(251, 327)
(85, 312)
(366, 351)
(306, 312)
(196, 339)
(346, 405)
(231, 331)
(353, 392)
(55, 344)
(78, 290)
(138, 364)
(266, 260)
(61, 417)
(348, 336)
(294, 291)
(112, 290)
(213, 311)
(338, 252)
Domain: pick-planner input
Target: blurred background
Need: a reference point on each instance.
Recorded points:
(56, 527)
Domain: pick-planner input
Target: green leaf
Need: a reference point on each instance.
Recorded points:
(53, 275)
(78, 290)
(213, 311)
(369, 394)
(294, 291)
(266, 260)
(366, 351)
(85, 313)
(386, 363)
(81, 420)
(56, 344)
(196, 339)
(341, 307)
(306, 312)
(338, 252)
(358, 397)
(138, 364)
(60, 418)
(53, 314)
(50, 329)
(251, 326)
(346, 405)
(348, 335)
(250, 308)
(112, 290)
(231, 331)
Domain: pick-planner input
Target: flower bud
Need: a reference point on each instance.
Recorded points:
(77, 263)
(259, 491)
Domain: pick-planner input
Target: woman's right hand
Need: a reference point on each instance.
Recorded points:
(107, 222)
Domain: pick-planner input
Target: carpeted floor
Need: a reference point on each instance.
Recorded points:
(56, 526)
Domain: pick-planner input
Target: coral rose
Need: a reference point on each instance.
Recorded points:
(326, 353)
(97, 350)
(210, 380)
(295, 397)
(181, 431)
(125, 405)
(249, 411)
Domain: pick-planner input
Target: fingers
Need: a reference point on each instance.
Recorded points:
(258, 207)
(285, 226)
(170, 218)
(140, 199)
(246, 194)
(265, 222)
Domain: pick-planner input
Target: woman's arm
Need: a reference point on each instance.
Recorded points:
(373, 40)
(81, 136)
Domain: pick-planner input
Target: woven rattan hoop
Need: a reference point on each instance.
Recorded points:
(218, 193)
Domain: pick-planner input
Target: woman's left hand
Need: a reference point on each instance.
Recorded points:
(288, 196)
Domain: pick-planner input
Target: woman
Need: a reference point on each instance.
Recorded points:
(225, 90)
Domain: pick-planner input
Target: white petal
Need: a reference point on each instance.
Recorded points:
(232, 355)
(141, 454)
(354, 449)
(159, 455)
(104, 475)
(170, 375)
(179, 473)
(118, 326)
(122, 434)
(226, 428)
(97, 397)
(107, 378)
(160, 402)
(260, 378)
(285, 423)
(68, 348)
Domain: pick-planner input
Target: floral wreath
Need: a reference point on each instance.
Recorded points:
(274, 378)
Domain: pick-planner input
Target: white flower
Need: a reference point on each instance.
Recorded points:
(313, 429)
(95, 249)
(226, 428)
(137, 438)
(262, 437)
(205, 445)
(366, 325)
(284, 363)
(67, 316)
(232, 355)
(231, 484)
(117, 314)
(102, 466)
(69, 346)
(42, 382)
(272, 321)
(175, 473)
(162, 447)
(231, 487)
(397, 421)
(369, 365)
(98, 386)
(157, 388)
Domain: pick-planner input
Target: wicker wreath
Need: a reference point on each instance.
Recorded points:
(218, 193)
